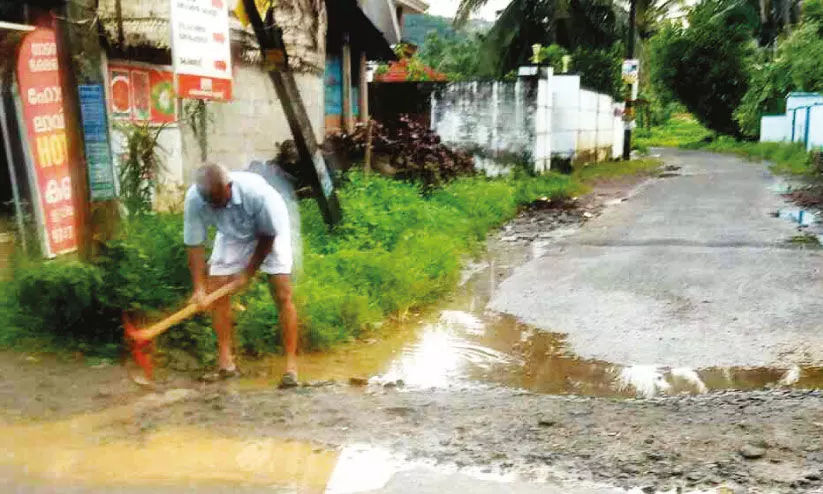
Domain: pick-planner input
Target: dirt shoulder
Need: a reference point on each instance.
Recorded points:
(769, 441)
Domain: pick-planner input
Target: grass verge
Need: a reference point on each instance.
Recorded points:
(684, 132)
(397, 249)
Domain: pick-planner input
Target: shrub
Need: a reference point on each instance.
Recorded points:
(411, 151)
(795, 67)
(706, 65)
(397, 248)
(66, 299)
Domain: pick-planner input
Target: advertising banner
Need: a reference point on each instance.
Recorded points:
(142, 93)
(38, 78)
(201, 49)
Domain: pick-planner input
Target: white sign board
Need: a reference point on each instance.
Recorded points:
(201, 49)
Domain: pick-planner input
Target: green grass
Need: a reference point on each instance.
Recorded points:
(681, 130)
(785, 158)
(684, 132)
(613, 169)
(397, 249)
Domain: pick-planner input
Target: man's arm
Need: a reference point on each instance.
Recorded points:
(197, 266)
(194, 236)
(265, 244)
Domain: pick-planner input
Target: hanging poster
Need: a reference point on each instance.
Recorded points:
(201, 49)
(142, 93)
(38, 79)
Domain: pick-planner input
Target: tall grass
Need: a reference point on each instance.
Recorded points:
(399, 247)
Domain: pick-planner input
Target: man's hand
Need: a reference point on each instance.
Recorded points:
(198, 298)
(244, 278)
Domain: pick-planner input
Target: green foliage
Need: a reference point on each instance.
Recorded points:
(785, 158)
(397, 248)
(706, 65)
(681, 130)
(589, 24)
(66, 299)
(553, 56)
(795, 67)
(600, 69)
(684, 132)
(139, 167)
(459, 57)
(611, 169)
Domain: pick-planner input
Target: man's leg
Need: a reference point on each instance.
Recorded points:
(280, 286)
(223, 322)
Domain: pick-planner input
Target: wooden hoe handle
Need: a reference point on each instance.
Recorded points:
(155, 330)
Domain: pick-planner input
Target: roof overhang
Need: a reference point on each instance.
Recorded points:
(414, 6)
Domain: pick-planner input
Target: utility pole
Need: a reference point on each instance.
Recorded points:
(92, 172)
(629, 113)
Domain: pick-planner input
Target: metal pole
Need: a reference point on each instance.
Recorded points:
(18, 206)
(627, 140)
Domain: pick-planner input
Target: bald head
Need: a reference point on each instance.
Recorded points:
(214, 184)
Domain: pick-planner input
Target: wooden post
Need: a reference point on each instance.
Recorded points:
(81, 62)
(275, 59)
(348, 108)
(368, 158)
(364, 89)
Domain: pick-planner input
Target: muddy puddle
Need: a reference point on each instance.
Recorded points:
(459, 345)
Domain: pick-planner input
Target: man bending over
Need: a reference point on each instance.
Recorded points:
(253, 233)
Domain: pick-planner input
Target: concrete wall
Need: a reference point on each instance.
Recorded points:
(775, 128)
(496, 120)
(251, 126)
(802, 123)
(540, 116)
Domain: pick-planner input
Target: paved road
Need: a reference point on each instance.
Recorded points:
(691, 271)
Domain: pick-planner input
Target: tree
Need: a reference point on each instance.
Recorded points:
(459, 57)
(706, 66)
(653, 14)
(795, 67)
(572, 24)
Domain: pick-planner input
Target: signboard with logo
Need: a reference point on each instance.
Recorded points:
(201, 49)
(38, 77)
(142, 93)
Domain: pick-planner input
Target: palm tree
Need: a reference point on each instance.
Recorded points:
(651, 14)
(593, 24)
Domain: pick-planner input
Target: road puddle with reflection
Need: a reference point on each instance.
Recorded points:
(460, 344)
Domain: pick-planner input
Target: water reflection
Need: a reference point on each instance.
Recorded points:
(459, 344)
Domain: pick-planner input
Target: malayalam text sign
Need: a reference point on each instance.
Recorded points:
(38, 77)
(201, 49)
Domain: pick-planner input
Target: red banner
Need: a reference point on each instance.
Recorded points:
(142, 93)
(208, 88)
(38, 77)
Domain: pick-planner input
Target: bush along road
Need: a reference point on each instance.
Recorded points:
(455, 409)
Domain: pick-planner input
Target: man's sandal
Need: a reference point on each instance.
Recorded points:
(289, 380)
(220, 375)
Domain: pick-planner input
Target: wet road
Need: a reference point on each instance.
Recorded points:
(692, 271)
(687, 286)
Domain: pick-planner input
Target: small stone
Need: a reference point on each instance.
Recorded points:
(649, 489)
(655, 456)
(649, 440)
(359, 381)
(695, 476)
(752, 452)
(546, 422)
(813, 476)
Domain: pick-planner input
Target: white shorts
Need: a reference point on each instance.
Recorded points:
(231, 256)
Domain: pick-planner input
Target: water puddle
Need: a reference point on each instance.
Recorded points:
(460, 345)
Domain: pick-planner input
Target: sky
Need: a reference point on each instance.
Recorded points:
(447, 8)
